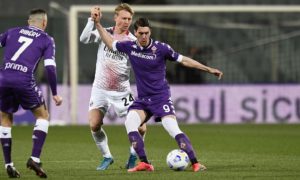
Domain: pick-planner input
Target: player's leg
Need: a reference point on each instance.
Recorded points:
(98, 106)
(170, 124)
(133, 156)
(133, 121)
(6, 142)
(8, 106)
(96, 121)
(121, 105)
(40, 132)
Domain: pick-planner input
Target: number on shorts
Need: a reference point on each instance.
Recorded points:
(127, 101)
(166, 108)
(26, 42)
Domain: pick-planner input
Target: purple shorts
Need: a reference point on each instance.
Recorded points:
(158, 107)
(28, 97)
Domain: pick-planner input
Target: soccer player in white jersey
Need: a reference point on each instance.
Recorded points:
(111, 85)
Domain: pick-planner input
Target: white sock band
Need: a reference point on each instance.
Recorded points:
(41, 125)
(5, 132)
(171, 126)
(133, 121)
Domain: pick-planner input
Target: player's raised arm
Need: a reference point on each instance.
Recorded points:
(96, 16)
(188, 62)
(88, 34)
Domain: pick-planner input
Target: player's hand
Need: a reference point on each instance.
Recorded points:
(96, 13)
(57, 99)
(216, 72)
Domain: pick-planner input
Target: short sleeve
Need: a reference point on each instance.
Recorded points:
(119, 46)
(171, 54)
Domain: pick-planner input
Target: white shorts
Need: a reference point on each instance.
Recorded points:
(103, 100)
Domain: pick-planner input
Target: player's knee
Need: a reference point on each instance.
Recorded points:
(41, 112)
(142, 129)
(133, 121)
(95, 125)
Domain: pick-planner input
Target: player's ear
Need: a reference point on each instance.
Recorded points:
(45, 23)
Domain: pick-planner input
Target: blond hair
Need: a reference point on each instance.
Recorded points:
(123, 6)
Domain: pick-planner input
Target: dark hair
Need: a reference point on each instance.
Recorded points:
(37, 11)
(141, 22)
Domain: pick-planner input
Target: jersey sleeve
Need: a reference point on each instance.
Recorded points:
(171, 54)
(50, 65)
(119, 46)
(3, 37)
(88, 35)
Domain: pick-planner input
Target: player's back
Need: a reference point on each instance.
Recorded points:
(24, 47)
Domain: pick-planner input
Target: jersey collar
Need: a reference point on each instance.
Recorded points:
(34, 27)
(113, 29)
(147, 47)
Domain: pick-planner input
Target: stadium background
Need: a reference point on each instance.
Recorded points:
(258, 53)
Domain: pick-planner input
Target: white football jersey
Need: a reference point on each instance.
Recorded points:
(112, 67)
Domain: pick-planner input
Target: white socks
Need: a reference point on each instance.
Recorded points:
(5, 132)
(101, 141)
(133, 122)
(41, 125)
(171, 125)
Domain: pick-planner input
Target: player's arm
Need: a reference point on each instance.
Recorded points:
(88, 35)
(105, 36)
(3, 37)
(50, 66)
(191, 63)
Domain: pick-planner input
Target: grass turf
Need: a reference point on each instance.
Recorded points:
(228, 151)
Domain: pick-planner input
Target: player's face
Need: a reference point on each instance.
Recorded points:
(143, 35)
(123, 20)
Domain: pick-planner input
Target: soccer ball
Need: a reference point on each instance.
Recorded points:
(177, 160)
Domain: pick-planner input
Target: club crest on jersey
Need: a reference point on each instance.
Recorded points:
(153, 49)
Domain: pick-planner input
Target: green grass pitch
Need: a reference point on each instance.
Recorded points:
(229, 152)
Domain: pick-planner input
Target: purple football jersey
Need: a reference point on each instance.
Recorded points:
(149, 66)
(24, 48)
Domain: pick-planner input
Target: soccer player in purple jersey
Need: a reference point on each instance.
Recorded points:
(148, 60)
(24, 47)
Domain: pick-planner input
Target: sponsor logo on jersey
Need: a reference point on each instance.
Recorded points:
(114, 54)
(16, 66)
(146, 56)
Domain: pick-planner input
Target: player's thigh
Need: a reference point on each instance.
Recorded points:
(162, 108)
(31, 98)
(8, 101)
(121, 103)
(40, 112)
(98, 100)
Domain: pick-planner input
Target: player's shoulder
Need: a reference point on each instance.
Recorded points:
(131, 36)
(14, 29)
(161, 44)
(110, 30)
